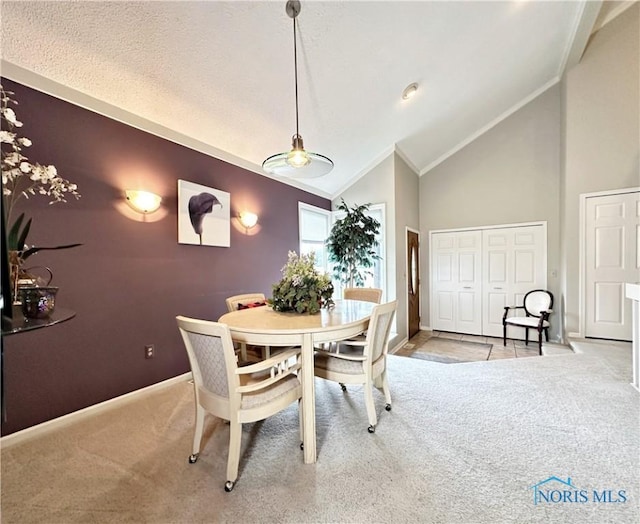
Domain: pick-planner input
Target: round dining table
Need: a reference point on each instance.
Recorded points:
(262, 326)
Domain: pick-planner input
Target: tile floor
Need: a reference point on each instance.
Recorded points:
(452, 347)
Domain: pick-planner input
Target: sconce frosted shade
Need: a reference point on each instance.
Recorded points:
(248, 220)
(143, 201)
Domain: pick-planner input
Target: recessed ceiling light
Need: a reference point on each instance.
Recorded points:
(409, 91)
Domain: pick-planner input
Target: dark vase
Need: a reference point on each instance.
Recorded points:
(38, 302)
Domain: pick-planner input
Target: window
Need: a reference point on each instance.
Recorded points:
(315, 227)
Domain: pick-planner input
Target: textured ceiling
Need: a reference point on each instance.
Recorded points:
(221, 73)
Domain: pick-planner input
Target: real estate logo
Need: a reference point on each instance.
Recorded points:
(555, 490)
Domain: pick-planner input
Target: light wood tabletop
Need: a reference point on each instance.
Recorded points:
(265, 327)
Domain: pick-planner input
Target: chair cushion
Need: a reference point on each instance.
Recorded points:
(252, 304)
(526, 322)
(257, 398)
(338, 365)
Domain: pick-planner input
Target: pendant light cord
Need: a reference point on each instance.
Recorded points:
(295, 69)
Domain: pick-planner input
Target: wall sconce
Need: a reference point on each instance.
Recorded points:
(143, 201)
(248, 219)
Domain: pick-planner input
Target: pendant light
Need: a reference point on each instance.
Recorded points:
(297, 163)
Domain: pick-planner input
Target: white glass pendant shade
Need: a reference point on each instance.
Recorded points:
(297, 163)
(317, 166)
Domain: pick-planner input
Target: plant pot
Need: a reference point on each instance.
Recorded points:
(38, 302)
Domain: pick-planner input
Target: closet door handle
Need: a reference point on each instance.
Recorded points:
(467, 287)
(497, 288)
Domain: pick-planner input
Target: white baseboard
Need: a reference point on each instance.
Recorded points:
(398, 345)
(56, 423)
(425, 328)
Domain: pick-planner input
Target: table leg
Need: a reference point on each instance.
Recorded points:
(308, 400)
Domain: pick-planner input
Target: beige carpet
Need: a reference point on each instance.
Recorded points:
(463, 444)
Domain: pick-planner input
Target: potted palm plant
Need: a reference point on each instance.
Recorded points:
(351, 244)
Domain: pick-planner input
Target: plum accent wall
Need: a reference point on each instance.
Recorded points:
(130, 278)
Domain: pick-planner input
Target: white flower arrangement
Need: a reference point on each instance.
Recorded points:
(303, 288)
(20, 177)
(23, 178)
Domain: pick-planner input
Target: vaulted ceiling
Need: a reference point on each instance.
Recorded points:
(221, 73)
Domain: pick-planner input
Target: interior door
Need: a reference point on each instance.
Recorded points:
(514, 262)
(413, 282)
(612, 259)
(457, 282)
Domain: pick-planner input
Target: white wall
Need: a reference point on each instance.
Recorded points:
(407, 215)
(377, 187)
(602, 133)
(579, 136)
(510, 174)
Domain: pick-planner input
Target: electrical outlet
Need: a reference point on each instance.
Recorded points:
(149, 351)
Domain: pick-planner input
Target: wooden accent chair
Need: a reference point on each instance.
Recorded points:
(363, 363)
(237, 394)
(537, 306)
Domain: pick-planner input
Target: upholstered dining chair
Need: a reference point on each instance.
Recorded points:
(366, 294)
(365, 363)
(233, 393)
(245, 301)
(537, 306)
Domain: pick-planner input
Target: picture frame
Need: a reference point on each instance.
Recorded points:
(204, 215)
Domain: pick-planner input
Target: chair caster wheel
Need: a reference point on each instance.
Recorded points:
(344, 388)
(388, 407)
(228, 486)
(193, 458)
(371, 429)
(302, 446)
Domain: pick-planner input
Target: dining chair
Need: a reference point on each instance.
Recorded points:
(367, 294)
(537, 306)
(246, 301)
(364, 363)
(233, 393)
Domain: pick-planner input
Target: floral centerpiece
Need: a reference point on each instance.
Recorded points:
(303, 288)
(22, 178)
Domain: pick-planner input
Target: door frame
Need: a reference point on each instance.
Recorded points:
(406, 265)
(582, 250)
